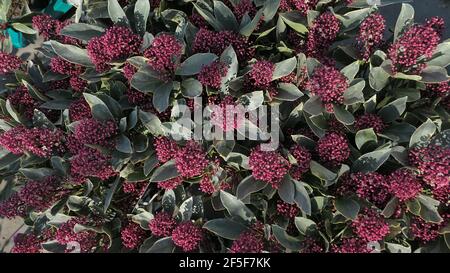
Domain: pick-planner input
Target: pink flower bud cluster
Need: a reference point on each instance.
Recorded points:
(432, 164)
(41, 142)
(268, 166)
(370, 121)
(415, 42)
(133, 235)
(333, 148)
(303, 158)
(404, 184)
(9, 63)
(187, 236)
(370, 35)
(211, 75)
(164, 54)
(328, 84)
(216, 42)
(370, 225)
(191, 160)
(117, 43)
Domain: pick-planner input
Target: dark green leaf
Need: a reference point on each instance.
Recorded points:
(225, 228)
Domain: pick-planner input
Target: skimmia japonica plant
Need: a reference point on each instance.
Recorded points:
(103, 149)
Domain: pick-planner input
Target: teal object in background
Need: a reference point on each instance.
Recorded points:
(17, 39)
(57, 8)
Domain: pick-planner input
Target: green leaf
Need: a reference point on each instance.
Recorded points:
(322, 173)
(82, 31)
(225, 228)
(161, 96)
(286, 190)
(146, 80)
(441, 56)
(224, 147)
(150, 164)
(23, 28)
(423, 133)
(72, 53)
(400, 132)
(347, 207)
(185, 210)
(354, 93)
(34, 92)
(12, 112)
(194, 63)
(429, 209)
(163, 245)
(350, 70)
(229, 57)
(208, 16)
(248, 29)
(314, 106)
(36, 174)
(397, 248)
(353, 19)
(295, 20)
(434, 74)
(224, 15)
(236, 207)
(123, 144)
(305, 225)
(270, 9)
(393, 110)
(370, 162)
(151, 122)
(378, 78)
(110, 193)
(285, 239)
(390, 207)
(165, 172)
(252, 101)
(98, 108)
(301, 197)
(141, 13)
(343, 115)
(404, 20)
(284, 68)
(365, 136)
(288, 92)
(191, 88)
(8, 159)
(248, 186)
(117, 14)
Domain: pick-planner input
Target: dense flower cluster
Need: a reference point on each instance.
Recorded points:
(328, 84)
(260, 76)
(211, 75)
(432, 163)
(333, 148)
(41, 142)
(370, 226)
(85, 240)
(370, 121)
(216, 42)
(117, 43)
(187, 236)
(370, 35)
(98, 155)
(268, 166)
(132, 235)
(9, 63)
(425, 231)
(162, 225)
(322, 34)
(26, 243)
(351, 245)
(404, 184)
(248, 242)
(417, 41)
(287, 210)
(164, 53)
(303, 158)
(191, 160)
